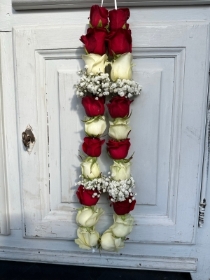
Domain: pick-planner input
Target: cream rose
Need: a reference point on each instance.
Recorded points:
(123, 225)
(88, 216)
(122, 67)
(120, 170)
(119, 129)
(95, 126)
(87, 238)
(111, 243)
(90, 168)
(95, 63)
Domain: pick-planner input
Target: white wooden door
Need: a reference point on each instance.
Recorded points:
(168, 124)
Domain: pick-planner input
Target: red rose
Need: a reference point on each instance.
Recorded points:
(92, 146)
(86, 196)
(94, 41)
(124, 207)
(98, 16)
(118, 149)
(93, 107)
(119, 107)
(119, 41)
(118, 18)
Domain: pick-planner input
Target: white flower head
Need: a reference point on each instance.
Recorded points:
(123, 225)
(95, 126)
(122, 67)
(111, 243)
(88, 216)
(90, 168)
(119, 129)
(87, 238)
(94, 63)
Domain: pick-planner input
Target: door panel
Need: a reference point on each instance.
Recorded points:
(168, 122)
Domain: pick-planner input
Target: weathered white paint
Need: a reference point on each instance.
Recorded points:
(5, 15)
(103, 260)
(73, 4)
(5, 71)
(162, 208)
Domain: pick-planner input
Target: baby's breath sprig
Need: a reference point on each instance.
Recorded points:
(99, 184)
(99, 84)
(121, 190)
(126, 88)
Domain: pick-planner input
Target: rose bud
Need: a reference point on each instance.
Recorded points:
(119, 129)
(94, 41)
(95, 63)
(88, 216)
(118, 18)
(120, 170)
(90, 168)
(118, 149)
(87, 238)
(98, 16)
(119, 107)
(95, 126)
(92, 146)
(86, 196)
(111, 243)
(122, 226)
(122, 67)
(119, 41)
(93, 107)
(124, 207)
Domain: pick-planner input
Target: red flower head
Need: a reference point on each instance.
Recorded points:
(119, 107)
(86, 196)
(94, 41)
(92, 146)
(119, 41)
(98, 16)
(124, 207)
(118, 18)
(93, 107)
(118, 149)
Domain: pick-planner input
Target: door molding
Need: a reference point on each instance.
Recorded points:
(4, 76)
(76, 4)
(126, 261)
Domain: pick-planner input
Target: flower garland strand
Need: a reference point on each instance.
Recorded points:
(92, 182)
(106, 76)
(121, 184)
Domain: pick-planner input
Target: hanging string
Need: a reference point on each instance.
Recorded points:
(115, 4)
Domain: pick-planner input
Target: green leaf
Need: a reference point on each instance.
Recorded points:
(100, 24)
(124, 26)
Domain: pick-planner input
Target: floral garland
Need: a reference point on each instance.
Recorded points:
(107, 73)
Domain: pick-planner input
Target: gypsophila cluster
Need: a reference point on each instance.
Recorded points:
(121, 190)
(97, 84)
(99, 184)
(125, 88)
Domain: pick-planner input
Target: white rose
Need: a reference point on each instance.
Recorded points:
(120, 170)
(90, 168)
(111, 243)
(95, 63)
(123, 225)
(88, 216)
(95, 126)
(119, 129)
(87, 238)
(122, 67)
